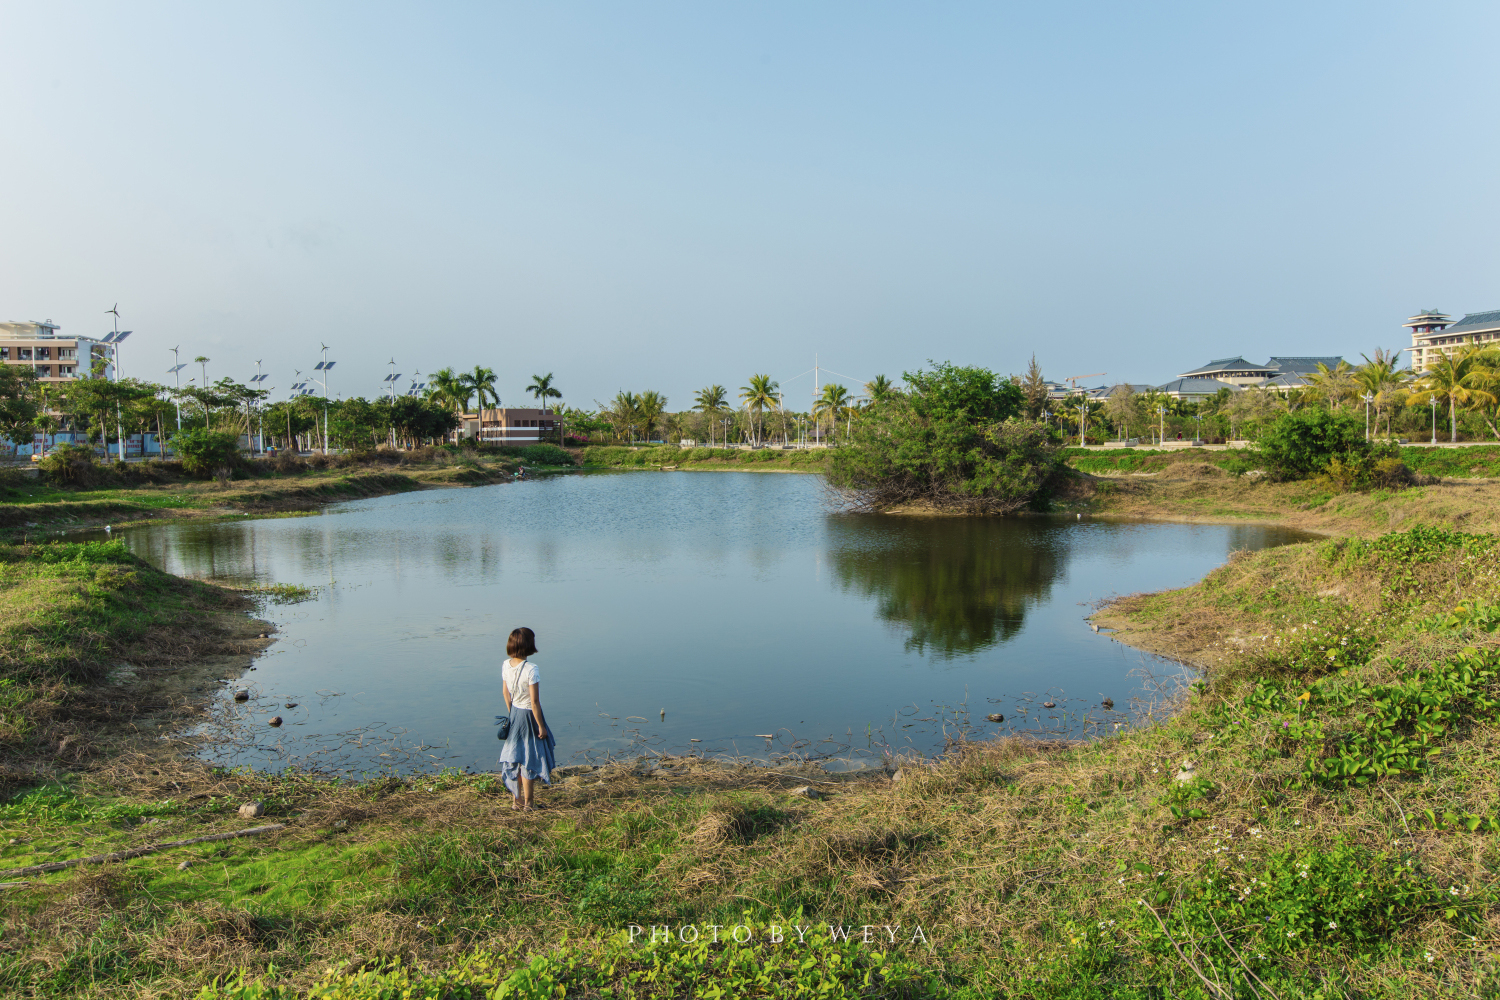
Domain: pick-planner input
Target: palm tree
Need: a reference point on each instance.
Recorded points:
(711, 401)
(1334, 384)
(650, 405)
(833, 402)
(481, 382)
(879, 387)
(1464, 377)
(541, 389)
(451, 389)
(623, 412)
(1379, 379)
(757, 396)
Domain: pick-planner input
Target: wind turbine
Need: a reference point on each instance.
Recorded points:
(117, 337)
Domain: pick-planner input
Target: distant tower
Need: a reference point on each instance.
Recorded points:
(1425, 327)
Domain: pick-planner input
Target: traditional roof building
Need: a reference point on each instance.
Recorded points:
(1236, 371)
(1106, 391)
(1433, 332)
(1196, 388)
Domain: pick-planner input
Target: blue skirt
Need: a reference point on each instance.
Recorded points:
(523, 750)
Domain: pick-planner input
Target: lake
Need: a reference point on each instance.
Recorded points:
(736, 603)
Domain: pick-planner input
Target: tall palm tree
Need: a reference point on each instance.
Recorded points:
(1380, 379)
(757, 397)
(650, 405)
(481, 382)
(833, 402)
(541, 389)
(1465, 377)
(879, 387)
(711, 401)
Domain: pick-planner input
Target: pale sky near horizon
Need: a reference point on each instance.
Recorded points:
(668, 195)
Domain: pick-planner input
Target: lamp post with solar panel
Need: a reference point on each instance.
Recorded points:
(324, 366)
(260, 437)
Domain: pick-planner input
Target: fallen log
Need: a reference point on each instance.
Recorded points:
(135, 852)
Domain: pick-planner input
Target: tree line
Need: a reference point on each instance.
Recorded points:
(1461, 389)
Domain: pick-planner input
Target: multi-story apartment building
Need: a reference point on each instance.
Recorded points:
(1433, 333)
(53, 358)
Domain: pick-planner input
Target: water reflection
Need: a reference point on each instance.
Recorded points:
(956, 586)
(734, 601)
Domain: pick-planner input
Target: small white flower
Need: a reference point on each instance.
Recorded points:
(1333, 925)
(1428, 956)
(1453, 890)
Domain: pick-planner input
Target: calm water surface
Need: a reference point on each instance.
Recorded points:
(735, 601)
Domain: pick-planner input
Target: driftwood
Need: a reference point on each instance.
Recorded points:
(135, 852)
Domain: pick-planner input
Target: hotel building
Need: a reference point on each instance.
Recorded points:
(1432, 333)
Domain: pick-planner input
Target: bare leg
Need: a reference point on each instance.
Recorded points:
(525, 789)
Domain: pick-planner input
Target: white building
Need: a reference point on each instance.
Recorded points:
(1433, 332)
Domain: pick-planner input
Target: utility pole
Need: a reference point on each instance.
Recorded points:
(816, 428)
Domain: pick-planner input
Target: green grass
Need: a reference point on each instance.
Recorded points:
(1336, 836)
(69, 609)
(1447, 463)
(1454, 463)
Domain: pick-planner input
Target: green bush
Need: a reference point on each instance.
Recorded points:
(73, 464)
(205, 453)
(547, 454)
(950, 443)
(1308, 442)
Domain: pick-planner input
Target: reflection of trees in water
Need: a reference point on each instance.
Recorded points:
(957, 585)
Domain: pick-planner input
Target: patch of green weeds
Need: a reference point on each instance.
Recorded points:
(748, 959)
(286, 593)
(1345, 898)
(53, 804)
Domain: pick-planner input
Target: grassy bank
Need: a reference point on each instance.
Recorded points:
(84, 625)
(34, 506)
(1460, 463)
(760, 460)
(1319, 818)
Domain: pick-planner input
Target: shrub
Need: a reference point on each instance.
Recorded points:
(1391, 473)
(73, 464)
(1302, 444)
(207, 453)
(547, 454)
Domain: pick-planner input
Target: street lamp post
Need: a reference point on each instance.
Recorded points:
(1368, 398)
(1161, 425)
(1083, 410)
(260, 438)
(1434, 419)
(325, 366)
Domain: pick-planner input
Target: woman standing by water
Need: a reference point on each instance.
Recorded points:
(527, 755)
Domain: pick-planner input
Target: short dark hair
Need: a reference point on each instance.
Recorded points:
(522, 642)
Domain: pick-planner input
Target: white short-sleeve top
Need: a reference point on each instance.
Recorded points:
(519, 679)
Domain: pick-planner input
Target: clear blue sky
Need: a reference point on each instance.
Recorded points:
(644, 195)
